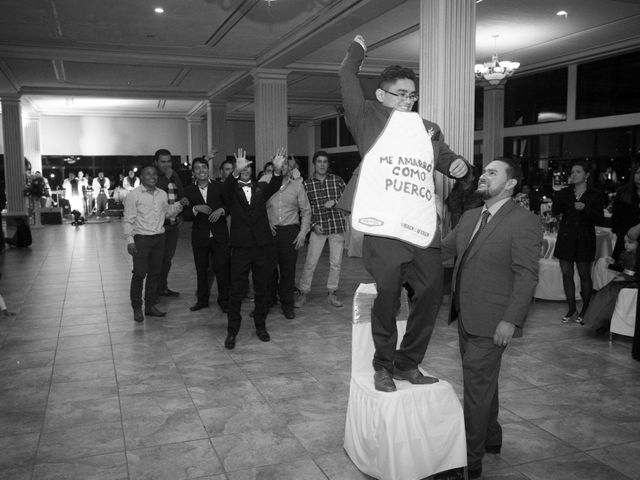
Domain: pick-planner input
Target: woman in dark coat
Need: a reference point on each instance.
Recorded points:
(581, 208)
(626, 210)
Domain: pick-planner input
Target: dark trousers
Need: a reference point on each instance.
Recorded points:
(261, 261)
(146, 263)
(480, 370)
(170, 243)
(287, 258)
(217, 255)
(392, 262)
(101, 202)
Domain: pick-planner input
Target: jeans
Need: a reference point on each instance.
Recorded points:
(314, 250)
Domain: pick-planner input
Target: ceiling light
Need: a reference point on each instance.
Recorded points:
(495, 71)
(562, 13)
(158, 10)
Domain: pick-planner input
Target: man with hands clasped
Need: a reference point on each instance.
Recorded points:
(496, 272)
(252, 243)
(209, 234)
(145, 210)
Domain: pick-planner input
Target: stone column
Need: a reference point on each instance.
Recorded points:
(216, 123)
(31, 143)
(270, 92)
(13, 156)
(194, 138)
(447, 56)
(313, 142)
(493, 123)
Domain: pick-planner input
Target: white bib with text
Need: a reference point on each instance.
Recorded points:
(395, 196)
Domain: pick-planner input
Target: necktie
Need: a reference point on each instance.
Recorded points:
(483, 223)
(244, 184)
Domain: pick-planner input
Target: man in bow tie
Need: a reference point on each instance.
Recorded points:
(252, 243)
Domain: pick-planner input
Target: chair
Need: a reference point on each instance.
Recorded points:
(623, 321)
(406, 435)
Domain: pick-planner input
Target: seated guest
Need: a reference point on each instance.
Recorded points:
(285, 209)
(252, 244)
(625, 212)
(145, 210)
(209, 234)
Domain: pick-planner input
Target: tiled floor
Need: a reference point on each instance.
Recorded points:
(87, 394)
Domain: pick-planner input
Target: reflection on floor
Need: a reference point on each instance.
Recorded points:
(86, 393)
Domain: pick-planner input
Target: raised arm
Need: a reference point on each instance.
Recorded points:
(352, 96)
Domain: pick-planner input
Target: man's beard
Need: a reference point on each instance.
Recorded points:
(485, 194)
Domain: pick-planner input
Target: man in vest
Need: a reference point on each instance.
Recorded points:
(390, 136)
(101, 186)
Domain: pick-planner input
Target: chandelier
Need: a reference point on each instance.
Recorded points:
(495, 71)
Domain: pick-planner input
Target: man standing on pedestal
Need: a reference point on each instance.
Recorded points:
(168, 181)
(496, 272)
(101, 187)
(390, 136)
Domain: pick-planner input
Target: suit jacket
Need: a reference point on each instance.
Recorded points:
(500, 272)
(202, 227)
(249, 222)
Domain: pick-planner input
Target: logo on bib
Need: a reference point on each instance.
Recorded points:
(371, 222)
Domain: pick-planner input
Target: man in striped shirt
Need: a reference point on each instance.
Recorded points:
(327, 223)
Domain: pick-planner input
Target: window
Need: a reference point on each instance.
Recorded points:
(538, 98)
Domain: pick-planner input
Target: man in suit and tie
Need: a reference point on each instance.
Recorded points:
(252, 243)
(495, 275)
(209, 234)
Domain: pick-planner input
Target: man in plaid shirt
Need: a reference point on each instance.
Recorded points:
(327, 223)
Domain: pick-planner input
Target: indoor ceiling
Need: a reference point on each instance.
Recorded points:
(121, 57)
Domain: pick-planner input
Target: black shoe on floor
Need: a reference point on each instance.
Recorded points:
(263, 335)
(154, 312)
(230, 341)
(137, 315)
(474, 472)
(413, 376)
(169, 293)
(199, 306)
(289, 313)
(494, 449)
(383, 381)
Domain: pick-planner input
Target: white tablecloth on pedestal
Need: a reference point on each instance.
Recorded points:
(409, 434)
(623, 320)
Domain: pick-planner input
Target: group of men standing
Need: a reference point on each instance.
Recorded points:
(239, 227)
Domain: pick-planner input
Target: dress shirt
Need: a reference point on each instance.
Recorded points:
(288, 204)
(145, 211)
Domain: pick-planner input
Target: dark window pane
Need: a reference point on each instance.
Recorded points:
(479, 109)
(608, 87)
(578, 144)
(329, 133)
(538, 98)
(345, 135)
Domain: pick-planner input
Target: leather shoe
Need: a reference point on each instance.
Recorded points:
(199, 306)
(137, 315)
(495, 449)
(154, 312)
(383, 381)
(169, 293)
(414, 376)
(289, 313)
(230, 341)
(263, 335)
(474, 472)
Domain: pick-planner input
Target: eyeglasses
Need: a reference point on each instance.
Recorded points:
(413, 97)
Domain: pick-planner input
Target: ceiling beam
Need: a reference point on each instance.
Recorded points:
(114, 92)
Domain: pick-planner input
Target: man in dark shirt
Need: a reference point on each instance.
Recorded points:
(168, 181)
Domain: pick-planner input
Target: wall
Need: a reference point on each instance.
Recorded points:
(66, 135)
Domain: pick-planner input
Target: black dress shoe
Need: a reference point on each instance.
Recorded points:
(289, 313)
(474, 472)
(199, 306)
(383, 381)
(137, 315)
(414, 376)
(169, 293)
(230, 341)
(495, 449)
(154, 312)
(263, 335)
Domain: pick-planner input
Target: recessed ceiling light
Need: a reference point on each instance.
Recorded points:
(158, 10)
(562, 13)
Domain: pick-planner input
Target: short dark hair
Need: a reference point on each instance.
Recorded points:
(230, 162)
(586, 166)
(197, 160)
(393, 73)
(513, 171)
(319, 153)
(162, 151)
(149, 165)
